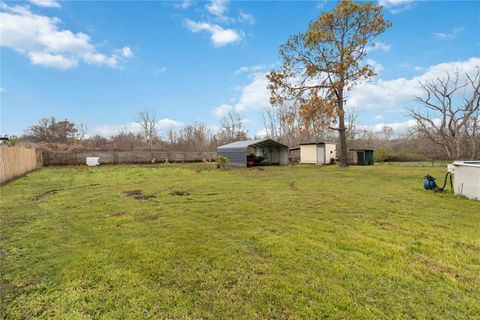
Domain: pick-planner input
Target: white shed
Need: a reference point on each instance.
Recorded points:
(318, 152)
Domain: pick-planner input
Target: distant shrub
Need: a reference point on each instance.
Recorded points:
(388, 155)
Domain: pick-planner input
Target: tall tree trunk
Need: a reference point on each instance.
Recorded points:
(447, 150)
(474, 149)
(342, 131)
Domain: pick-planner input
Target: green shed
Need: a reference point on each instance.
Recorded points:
(362, 157)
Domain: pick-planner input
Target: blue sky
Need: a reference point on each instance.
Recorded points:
(99, 63)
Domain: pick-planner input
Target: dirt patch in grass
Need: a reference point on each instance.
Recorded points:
(179, 193)
(138, 194)
(132, 193)
(386, 225)
(42, 195)
(151, 217)
(116, 214)
(439, 268)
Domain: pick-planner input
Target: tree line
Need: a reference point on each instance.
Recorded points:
(52, 134)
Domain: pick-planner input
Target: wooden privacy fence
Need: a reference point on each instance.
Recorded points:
(16, 161)
(118, 157)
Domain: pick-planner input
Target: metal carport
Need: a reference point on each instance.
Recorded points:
(236, 152)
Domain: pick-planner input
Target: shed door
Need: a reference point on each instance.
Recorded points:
(360, 157)
(320, 154)
(369, 157)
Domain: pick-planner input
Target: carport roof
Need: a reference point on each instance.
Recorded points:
(243, 145)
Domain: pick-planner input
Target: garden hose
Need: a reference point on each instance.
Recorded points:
(445, 183)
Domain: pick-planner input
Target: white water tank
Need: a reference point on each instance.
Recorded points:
(93, 161)
(466, 179)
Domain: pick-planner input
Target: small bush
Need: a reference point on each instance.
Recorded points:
(222, 161)
(388, 155)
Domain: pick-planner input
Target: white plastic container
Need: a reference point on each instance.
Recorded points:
(93, 161)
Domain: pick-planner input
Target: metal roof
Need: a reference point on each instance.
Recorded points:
(243, 145)
(473, 163)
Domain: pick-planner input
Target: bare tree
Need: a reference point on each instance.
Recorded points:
(147, 120)
(387, 133)
(282, 122)
(231, 128)
(352, 131)
(291, 124)
(449, 113)
(82, 130)
(196, 137)
(50, 130)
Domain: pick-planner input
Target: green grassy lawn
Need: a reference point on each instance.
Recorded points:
(283, 242)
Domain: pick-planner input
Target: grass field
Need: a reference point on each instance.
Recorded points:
(192, 241)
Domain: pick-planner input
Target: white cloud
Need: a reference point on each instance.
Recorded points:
(377, 67)
(241, 70)
(167, 123)
(110, 130)
(51, 60)
(219, 36)
(452, 34)
(217, 8)
(127, 52)
(399, 93)
(2, 89)
(396, 126)
(321, 4)
(418, 68)
(262, 133)
(380, 46)
(45, 3)
(185, 4)
(40, 39)
(246, 17)
(162, 126)
(254, 95)
(222, 110)
(255, 68)
(215, 128)
(394, 3)
(396, 6)
(160, 70)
